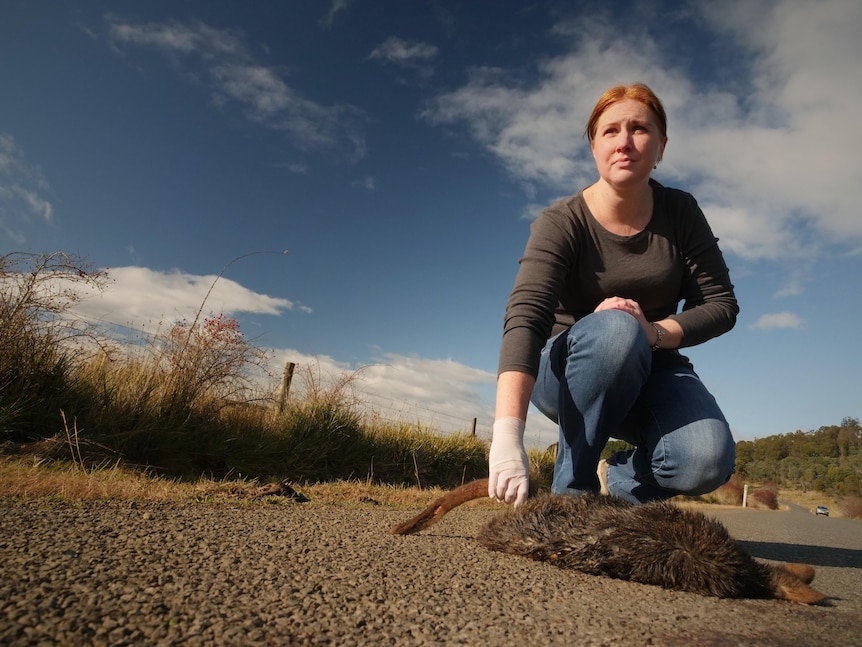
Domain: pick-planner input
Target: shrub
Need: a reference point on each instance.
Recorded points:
(852, 506)
(763, 498)
(209, 358)
(730, 493)
(40, 342)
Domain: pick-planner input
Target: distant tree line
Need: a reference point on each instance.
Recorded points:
(828, 460)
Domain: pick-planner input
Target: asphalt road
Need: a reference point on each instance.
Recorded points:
(175, 574)
(833, 546)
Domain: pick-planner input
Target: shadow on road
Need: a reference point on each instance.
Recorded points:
(813, 555)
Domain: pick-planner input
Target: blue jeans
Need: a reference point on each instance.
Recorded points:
(596, 380)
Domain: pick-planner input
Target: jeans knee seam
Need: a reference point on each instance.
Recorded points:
(656, 470)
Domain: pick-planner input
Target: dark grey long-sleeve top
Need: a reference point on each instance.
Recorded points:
(572, 263)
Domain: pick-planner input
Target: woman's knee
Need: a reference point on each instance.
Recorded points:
(604, 351)
(610, 339)
(703, 465)
(615, 329)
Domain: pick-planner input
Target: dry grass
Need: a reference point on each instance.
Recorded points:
(353, 492)
(26, 478)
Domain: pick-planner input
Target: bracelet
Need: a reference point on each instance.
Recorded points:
(659, 334)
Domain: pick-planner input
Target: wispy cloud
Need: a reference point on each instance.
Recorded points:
(236, 76)
(776, 178)
(368, 183)
(300, 168)
(335, 8)
(778, 320)
(23, 193)
(411, 55)
(794, 282)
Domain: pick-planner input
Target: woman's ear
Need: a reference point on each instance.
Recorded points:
(661, 151)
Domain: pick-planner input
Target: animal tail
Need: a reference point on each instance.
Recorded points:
(790, 582)
(434, 512)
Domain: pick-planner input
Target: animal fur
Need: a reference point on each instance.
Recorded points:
(655, 543)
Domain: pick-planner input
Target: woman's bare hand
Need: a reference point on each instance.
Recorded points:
(633, 308)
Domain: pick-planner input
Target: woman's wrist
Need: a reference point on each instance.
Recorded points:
(671, 334)
(659, 336)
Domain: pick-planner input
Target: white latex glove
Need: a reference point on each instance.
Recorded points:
(508, 467)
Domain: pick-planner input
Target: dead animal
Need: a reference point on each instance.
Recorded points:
(656, 543)
(283, 488)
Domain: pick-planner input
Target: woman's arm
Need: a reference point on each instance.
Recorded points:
(709, 302)
(513, 395)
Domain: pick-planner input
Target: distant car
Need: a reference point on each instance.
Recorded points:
(822, 509)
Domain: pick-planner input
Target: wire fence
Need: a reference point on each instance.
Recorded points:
(397, 411)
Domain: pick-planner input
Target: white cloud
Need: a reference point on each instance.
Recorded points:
(535, 126)
(23, 193)
(417, 378)
(775, 164)
(235, 75)
(778, 320)
(789, 164)
(140, 297)
(754, 232)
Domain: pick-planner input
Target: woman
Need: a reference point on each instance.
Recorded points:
(592, 330)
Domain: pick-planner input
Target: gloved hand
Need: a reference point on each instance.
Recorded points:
(508, 467)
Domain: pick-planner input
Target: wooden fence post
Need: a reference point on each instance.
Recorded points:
(473, 430)
(286, 379)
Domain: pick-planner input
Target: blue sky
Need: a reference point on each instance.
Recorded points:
(399, 151)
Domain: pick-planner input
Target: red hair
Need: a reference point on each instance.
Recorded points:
(637, 91)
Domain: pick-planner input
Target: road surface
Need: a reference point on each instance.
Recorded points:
(306, 574)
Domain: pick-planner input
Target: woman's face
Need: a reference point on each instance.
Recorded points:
(627, 143)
